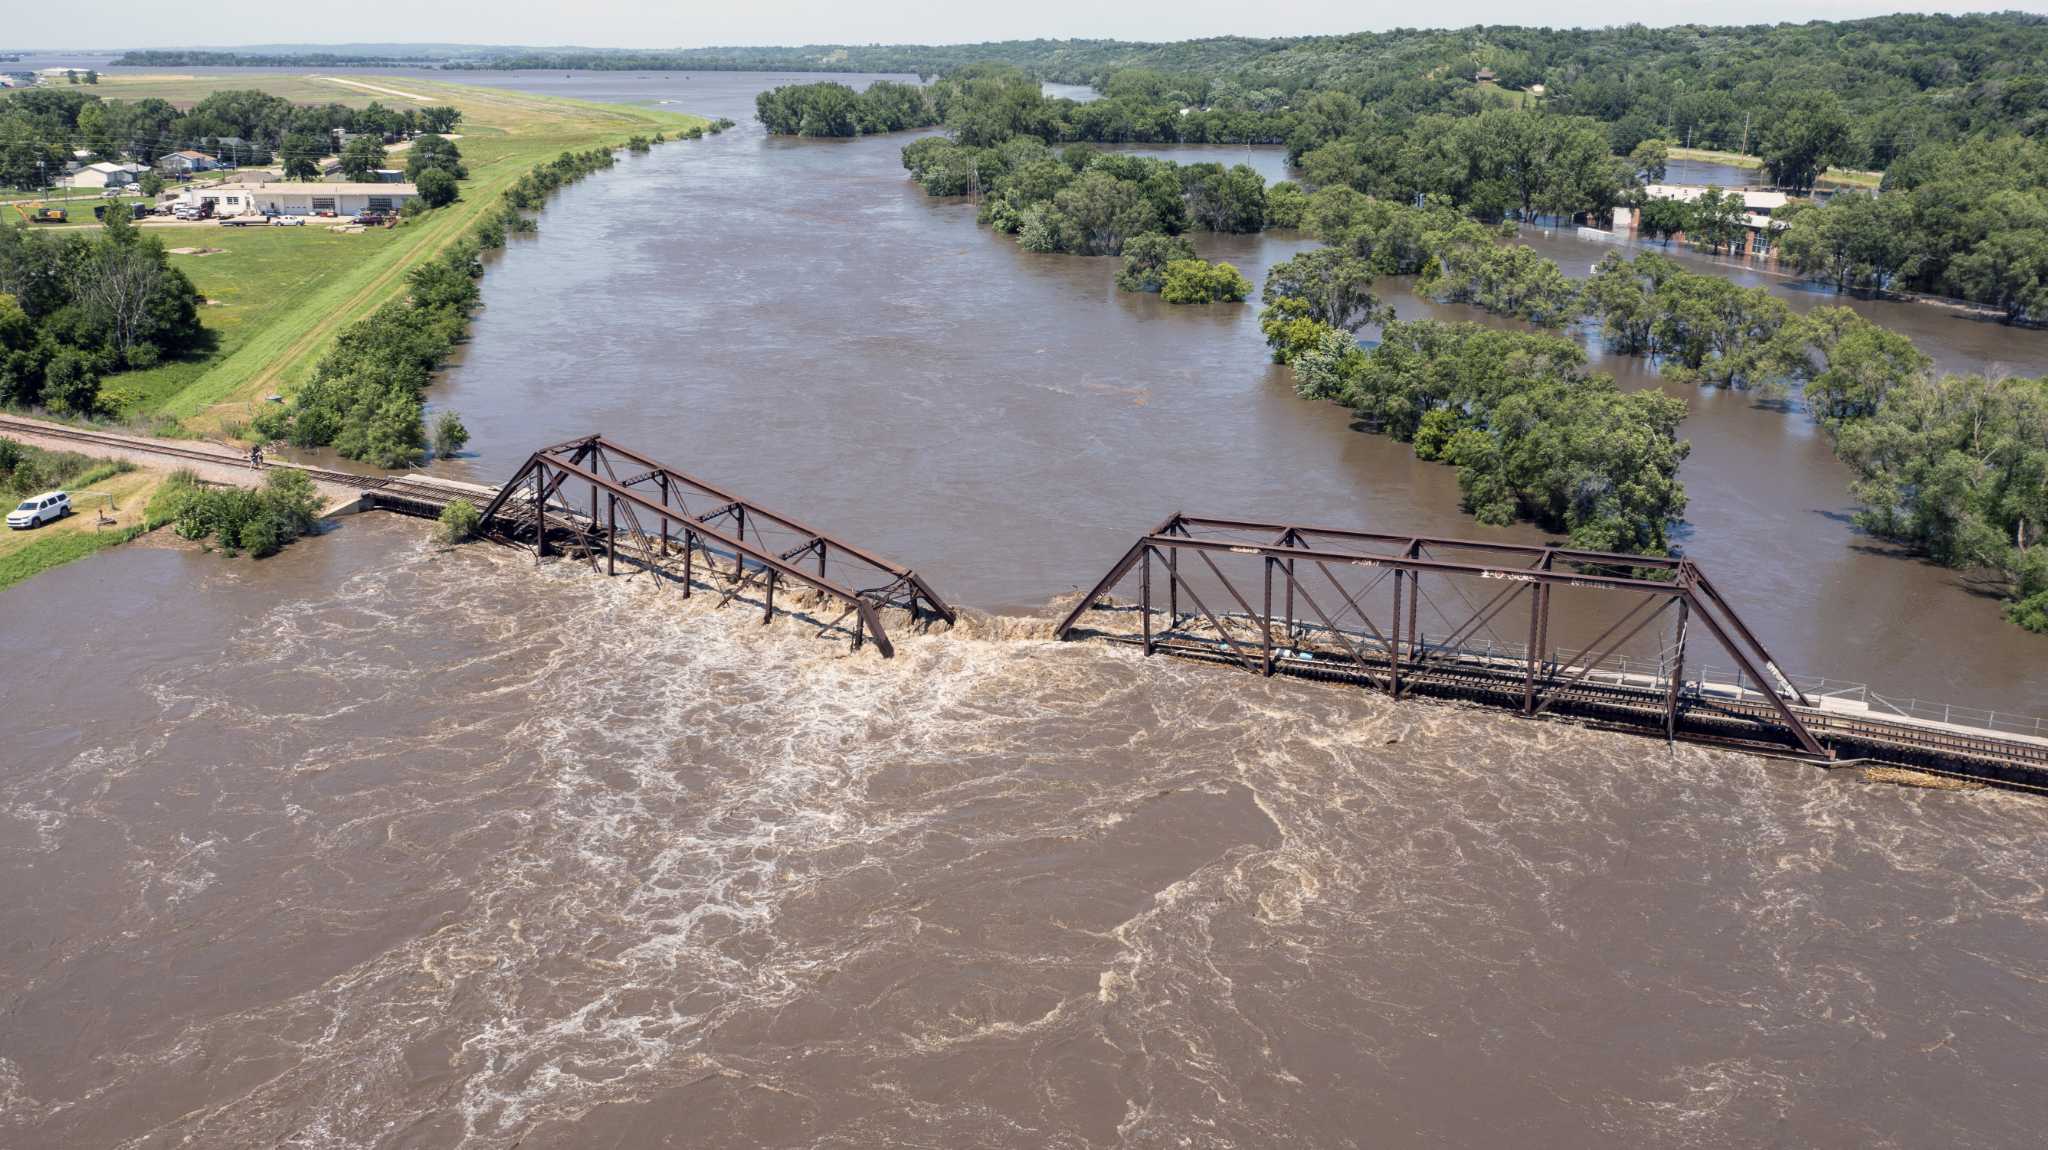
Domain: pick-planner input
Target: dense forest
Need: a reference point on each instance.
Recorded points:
(1898, 80)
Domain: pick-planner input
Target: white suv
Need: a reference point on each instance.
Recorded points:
(40, 509)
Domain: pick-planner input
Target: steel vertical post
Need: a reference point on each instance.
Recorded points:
(689, 559)
(1172, 588)
(1145, 598)
(1677, 676)
(540, 516)
(1529, 656)
(1266, 621)
(611, 535)
(1394, 647)
(768, 612)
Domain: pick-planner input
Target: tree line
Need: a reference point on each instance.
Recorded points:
(829, 109)
(1967, 220)
(367, 397)
(40, 128)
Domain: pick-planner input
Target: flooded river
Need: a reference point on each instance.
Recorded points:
(378, 845)
(375, 843)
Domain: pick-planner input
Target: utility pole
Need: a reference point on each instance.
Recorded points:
(1745, 133)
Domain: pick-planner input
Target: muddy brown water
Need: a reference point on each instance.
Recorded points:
(379, 844)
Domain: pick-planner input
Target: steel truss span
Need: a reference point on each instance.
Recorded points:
(1475, 620)
(593, 499)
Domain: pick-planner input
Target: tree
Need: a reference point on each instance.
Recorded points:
(1333, 287)
(1803, 137)
(1664, 218)
(1198, 281)
(433, 152)
(300, 156)
(1105, 211)
(440, 119)
(449, 434)
(361, 157)
(1286, 204)
(1859, 366)
(2009, 271)
(151, 184)
(1718, 219)
(1649, 159)
(437, 188)
(1146, 258)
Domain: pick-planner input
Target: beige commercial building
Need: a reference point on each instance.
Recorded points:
(301, 199)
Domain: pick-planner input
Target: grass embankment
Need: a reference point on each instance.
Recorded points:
(24, 554)
(283, 294)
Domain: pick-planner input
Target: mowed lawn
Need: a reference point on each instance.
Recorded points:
(281, 295)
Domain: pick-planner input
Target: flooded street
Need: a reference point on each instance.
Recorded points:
(381, 844)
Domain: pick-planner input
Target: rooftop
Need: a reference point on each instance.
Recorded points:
(315, 189)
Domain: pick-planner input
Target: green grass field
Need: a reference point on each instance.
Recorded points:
(281, 295)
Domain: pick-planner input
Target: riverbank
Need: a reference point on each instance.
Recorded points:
(278, 298)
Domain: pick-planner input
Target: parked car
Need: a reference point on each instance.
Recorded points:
(37, 510)
(372, 218)
(288, 221)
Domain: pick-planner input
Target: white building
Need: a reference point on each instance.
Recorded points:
(301, 199)
(104, 175)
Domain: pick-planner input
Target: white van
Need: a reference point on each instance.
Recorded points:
(40, 509)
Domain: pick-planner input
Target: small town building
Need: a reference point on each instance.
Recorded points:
(301, 199)
(106, 175)
(1758, 205)
(185, 163)
(1483, 76)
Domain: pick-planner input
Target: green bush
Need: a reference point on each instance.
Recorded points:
(449, 434)
(459, 521)
(260, 522)
(1198, 281)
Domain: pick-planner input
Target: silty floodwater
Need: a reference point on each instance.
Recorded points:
(378, 844)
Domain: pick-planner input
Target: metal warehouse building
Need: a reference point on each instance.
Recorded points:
(292, 199)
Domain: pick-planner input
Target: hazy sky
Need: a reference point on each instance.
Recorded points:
(629, 23)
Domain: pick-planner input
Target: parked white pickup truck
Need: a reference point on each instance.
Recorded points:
(37, 510)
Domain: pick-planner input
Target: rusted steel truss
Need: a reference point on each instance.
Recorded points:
(672, 524)
(1349, 607)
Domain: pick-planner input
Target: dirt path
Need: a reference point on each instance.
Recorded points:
(375, 88)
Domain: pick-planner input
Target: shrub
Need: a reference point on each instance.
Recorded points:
(459, 521)
(1198, 281)
(260, 522)
(449, 434)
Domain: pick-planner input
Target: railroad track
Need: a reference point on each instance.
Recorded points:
(91, 438)
(1729, 722)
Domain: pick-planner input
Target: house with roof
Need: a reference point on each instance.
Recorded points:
(106, 175)
(186, 162)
